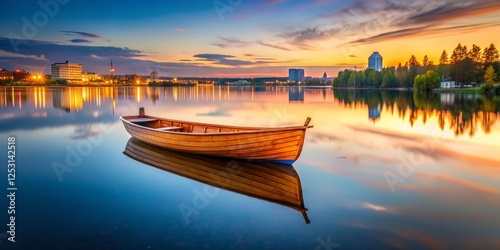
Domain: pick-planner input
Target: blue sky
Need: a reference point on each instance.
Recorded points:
(237, 37)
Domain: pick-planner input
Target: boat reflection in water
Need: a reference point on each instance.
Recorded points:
(273, 182)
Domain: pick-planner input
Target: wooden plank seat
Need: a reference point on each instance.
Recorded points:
(144, 119)
(171, 128)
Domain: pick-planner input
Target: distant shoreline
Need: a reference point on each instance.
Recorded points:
(439, 90)
(173, 85)
(379, 89)
(459, 90)
(472, 90)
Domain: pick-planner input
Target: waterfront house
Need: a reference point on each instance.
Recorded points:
(448, 83)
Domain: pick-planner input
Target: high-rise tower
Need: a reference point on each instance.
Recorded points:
(375, 61)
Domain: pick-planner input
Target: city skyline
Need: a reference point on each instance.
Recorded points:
(237, 38)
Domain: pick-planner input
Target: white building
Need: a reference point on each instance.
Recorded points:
(68, 71)
(296, 75)
(448, 83)
(375, 61)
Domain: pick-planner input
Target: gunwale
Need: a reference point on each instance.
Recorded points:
(252, 129)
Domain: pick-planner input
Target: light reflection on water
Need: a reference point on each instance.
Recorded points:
(378, 170)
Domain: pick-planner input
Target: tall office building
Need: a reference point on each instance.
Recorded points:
(68, 71)
(375, 61)
(296, 75)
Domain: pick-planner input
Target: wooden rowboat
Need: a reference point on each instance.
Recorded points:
(273, 182)
(280, 144)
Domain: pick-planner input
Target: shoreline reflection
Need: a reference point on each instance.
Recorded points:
(462, 113)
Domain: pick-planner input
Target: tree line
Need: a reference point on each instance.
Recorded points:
(464, 66)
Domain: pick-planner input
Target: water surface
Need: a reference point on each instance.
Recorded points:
(379, 170)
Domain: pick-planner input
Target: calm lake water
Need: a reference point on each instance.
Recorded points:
(379, 170)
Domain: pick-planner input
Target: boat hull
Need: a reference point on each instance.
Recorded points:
(270, 144)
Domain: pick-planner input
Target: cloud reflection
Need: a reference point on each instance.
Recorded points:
(375, 207)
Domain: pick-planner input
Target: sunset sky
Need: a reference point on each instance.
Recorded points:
(237, 37)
